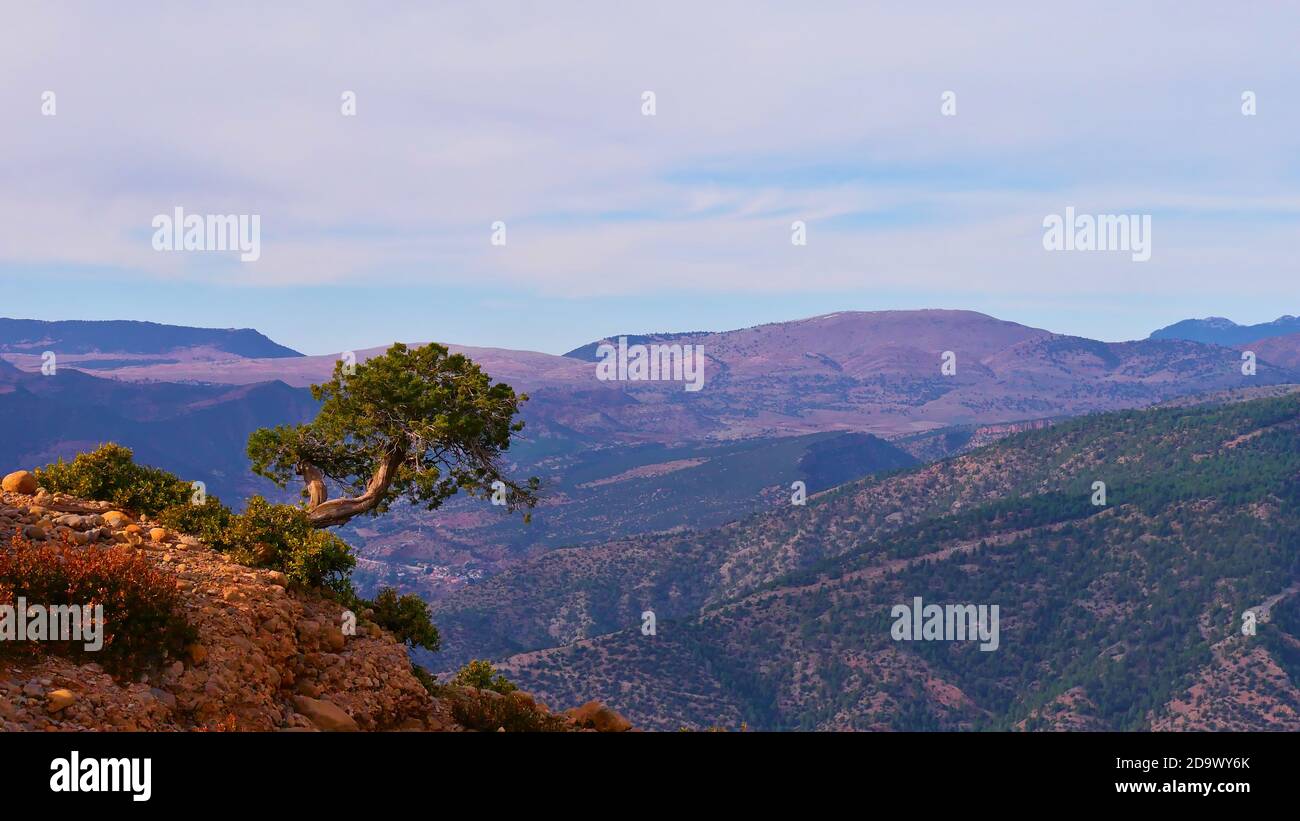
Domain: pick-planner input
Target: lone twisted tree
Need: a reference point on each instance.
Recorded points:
(421, 424)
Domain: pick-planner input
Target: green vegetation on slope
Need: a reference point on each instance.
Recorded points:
(1107, 612)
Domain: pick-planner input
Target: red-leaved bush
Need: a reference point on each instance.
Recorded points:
(142, 617)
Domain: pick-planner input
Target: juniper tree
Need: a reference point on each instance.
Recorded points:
(420, 424)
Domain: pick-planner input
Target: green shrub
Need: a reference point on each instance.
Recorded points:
(407, 617)
(281, 536)
(481, 675)
(207, 522)
(487, 711)
(110, 474)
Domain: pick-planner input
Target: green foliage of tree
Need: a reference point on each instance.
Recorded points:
(418, 424)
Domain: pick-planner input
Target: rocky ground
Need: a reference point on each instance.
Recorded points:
(268, 656)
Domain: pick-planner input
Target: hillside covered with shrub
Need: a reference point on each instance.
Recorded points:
(1125, 615)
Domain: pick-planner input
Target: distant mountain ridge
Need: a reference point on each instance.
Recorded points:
(606, 450)
(873, 372)
(587, 353)
(196, 431)
(73, 337)
(1217, 330)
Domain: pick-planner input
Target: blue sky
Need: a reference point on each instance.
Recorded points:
(376, 227)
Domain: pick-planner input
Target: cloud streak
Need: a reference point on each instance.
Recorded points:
(766, 113)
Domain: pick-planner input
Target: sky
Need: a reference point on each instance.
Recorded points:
(378, 226)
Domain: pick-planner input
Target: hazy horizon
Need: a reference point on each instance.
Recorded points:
(626, 331)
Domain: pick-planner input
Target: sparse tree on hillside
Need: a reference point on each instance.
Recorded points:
(420, 424)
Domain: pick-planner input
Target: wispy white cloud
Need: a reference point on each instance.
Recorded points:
(530, 113)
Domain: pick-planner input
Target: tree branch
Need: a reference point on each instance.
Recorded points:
(335, 512)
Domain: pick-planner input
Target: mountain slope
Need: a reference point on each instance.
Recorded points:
(197, 432)
(603, 493)
(1113, 616)
(1279, 350)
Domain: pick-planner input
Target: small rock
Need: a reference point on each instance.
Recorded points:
(59, 699)
(158, 534)
(115, 518)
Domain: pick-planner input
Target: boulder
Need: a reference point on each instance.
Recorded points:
(20, 481)
(325, 714)
(598, 717)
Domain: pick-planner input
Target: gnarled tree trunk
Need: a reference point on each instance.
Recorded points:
(324, 512)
